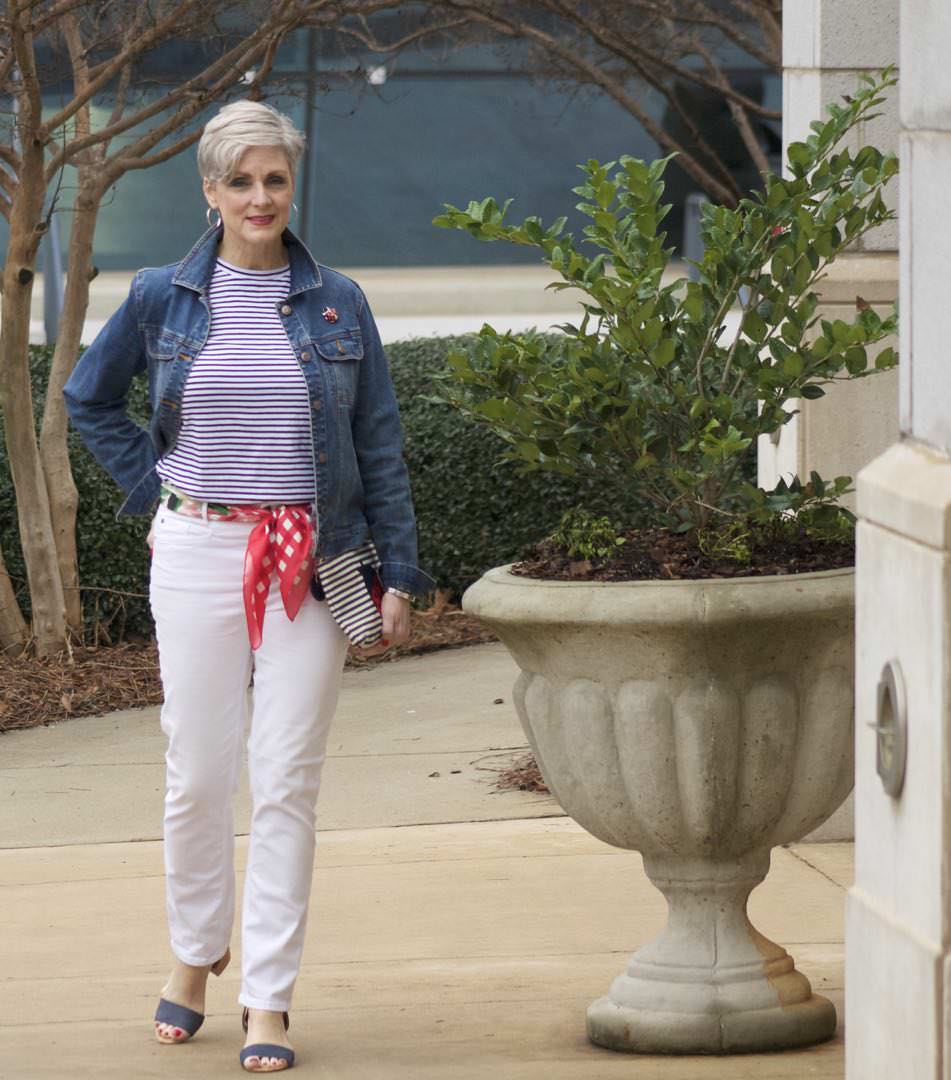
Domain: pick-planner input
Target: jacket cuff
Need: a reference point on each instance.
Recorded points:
(408, 578)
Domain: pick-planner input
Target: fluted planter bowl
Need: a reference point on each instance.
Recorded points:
(700, 723)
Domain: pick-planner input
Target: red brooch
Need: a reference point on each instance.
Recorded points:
(330, 314)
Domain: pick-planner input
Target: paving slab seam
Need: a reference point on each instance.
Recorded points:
(450, 821)
(314, 967)
(818, 870)
(86, 844)
(427, 753)
(477, 823)
(324, 870)
(470, 859)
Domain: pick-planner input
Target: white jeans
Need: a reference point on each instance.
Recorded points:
(206, 663)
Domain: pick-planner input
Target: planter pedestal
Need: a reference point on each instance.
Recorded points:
(701, 723)
(711, 983)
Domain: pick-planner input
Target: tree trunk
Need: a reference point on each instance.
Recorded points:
(33, 512)
(13, 628)
(63, 496)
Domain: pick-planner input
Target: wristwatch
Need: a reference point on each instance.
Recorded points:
(399, 592)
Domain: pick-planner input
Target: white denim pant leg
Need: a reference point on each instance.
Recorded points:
(197, 572)
(297, 673)
(205, 663)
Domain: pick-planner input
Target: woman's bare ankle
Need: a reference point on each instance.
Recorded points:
(265, 1025)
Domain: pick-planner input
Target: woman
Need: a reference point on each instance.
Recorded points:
(274, 442)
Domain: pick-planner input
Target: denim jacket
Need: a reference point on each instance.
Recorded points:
(360, 478)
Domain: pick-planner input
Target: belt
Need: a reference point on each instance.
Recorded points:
(282, 542)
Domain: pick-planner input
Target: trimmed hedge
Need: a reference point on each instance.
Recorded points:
(473, 511)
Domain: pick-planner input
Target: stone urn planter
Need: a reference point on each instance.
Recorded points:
(700, 723)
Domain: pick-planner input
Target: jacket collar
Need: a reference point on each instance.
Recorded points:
(195, 270)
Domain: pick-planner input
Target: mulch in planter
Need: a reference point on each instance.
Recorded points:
(656, 554)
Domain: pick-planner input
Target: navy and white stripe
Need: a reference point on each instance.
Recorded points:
(347, 592)
(245, 434)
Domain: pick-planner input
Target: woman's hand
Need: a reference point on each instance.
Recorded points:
(395, 612)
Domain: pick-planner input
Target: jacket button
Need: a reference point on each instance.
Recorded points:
(305, 356)
(183, 356)
(318, 404)
(322, 458)
(286, 309)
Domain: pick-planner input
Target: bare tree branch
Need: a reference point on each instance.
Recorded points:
(146, 162)
(26, 89)
(77, 56)
(701, 143)
(55, 13)
(228, 70)
(125, 77)
(105, 72)
(740, 118)
(612, 42)
(595, 74)
(708, 15)
(370, 41)
(7, 61)
(263, 72)
(232, 64)
(768, 15)
(644, 70)
(641, 58)
(10, 157)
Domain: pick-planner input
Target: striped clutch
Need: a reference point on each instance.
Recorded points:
(351, 585)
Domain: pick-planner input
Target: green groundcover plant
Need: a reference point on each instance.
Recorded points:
(651, 389)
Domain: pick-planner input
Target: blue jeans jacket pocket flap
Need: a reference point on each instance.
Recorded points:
(345, 345)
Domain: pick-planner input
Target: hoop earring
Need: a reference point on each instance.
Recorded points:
(294, 209)
(208, 214)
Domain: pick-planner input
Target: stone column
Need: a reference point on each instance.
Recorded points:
(827, 45)
(898, 937)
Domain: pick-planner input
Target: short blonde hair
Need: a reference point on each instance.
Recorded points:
(238, 126)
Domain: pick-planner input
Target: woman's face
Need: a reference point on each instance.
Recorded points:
(255, 203)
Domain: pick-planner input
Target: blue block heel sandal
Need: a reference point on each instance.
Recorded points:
(266, 1050)
(188, 1020)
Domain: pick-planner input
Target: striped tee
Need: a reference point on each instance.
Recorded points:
(245, 435)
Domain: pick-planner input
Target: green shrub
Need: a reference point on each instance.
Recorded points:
(650, 387)
(473, 511)
(582, 535)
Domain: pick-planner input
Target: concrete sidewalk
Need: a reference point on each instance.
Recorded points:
(454, 934)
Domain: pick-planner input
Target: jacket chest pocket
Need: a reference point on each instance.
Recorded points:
(162, 344)
(342, 353)
(169, 364)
